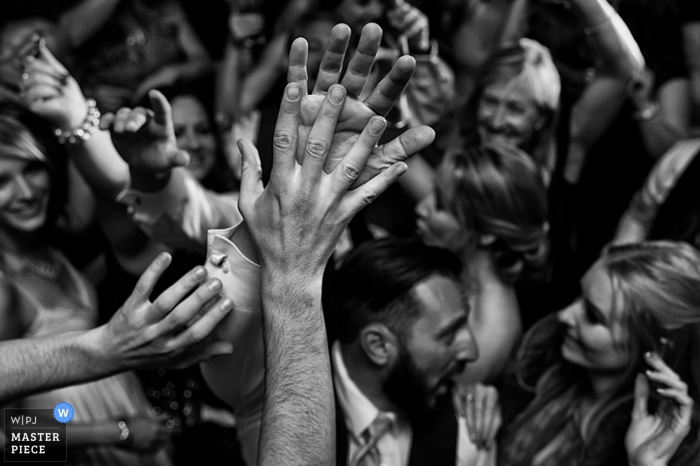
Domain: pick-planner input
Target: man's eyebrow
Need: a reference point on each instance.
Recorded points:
(453, 327)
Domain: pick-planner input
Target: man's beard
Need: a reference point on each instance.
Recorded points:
(406, 387)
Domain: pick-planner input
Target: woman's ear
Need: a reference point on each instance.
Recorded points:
(379, 343)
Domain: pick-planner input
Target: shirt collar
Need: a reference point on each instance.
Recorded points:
(358, 410)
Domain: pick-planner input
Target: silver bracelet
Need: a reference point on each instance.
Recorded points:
(82, 133)
(124, 434)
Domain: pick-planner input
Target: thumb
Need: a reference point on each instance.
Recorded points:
(162, 112)
(48, 56)
(641, 396)
(180, 158)
(251, 172)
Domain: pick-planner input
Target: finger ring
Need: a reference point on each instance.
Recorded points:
(63, 79)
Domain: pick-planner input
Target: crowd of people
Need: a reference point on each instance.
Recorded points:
(362, 232)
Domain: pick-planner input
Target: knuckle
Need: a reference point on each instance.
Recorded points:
(369, 197)
(196, 336)
(351, 172)
(316, 148)
(283, 141)
(176, 320)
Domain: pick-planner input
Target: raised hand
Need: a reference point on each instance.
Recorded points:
(173, 330)
(652, 439)
(356, 112)
(298, 218)
(479, 405)
(145, 138)
(50, 91)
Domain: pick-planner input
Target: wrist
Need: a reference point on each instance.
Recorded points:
(99, 356)
(124, 438)
(77, 133)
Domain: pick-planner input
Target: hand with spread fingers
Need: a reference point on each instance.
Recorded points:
(145, 138)
(479, 405)
(652, 439)
(173, 330)
(355, 113)
(299, 217)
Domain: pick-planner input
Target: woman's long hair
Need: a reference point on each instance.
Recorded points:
(529, 60)
(26, 136)
(657, 288)
(498, 196)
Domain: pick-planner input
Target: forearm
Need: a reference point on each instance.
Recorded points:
(228, 81)
(611, 39)
(31, 365)
(299, 390)
(101, 165)
(86, 18)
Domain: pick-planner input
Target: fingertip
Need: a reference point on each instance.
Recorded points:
(293, 92)
(401, 168)
(341, 30)
(164, 258)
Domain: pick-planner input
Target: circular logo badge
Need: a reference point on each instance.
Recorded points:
(63, 412)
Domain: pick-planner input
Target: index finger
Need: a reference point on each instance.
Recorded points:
(162, 112)
(48, 56)
(389, 89)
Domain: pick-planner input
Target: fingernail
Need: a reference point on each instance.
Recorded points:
(401, 169)
(214, 285)
(200, 273)
(226, 305)
(649, 373)
(649, 355)
(377, 126)
(293, 92)
(337, 94)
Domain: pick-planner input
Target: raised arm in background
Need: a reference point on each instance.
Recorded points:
(142, 334)
(85, 18)
(620, 62)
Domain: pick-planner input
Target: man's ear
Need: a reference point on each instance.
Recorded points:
(379, 343)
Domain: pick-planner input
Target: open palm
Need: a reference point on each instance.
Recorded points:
(356, 113)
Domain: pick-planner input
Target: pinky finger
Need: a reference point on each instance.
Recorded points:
(366, 194)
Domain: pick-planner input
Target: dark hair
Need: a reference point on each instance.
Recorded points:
(221, 177)
(375, 281)
(26, 136)
(497, 191)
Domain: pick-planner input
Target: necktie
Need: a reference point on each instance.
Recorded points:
(368, 454)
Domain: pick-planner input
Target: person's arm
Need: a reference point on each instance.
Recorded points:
(637, 221)
(51, 92)
(620, 61)
(664, 114)
(296, 222)
(171, 331)
(691, 42)
(197, 61)
(83, 20)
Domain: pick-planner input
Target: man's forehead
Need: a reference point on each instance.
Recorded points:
(440, 295)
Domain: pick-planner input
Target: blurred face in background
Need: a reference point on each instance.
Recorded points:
(316, 34)
(195, 134)
(357, 13)
(25, 186)
(507, 114)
